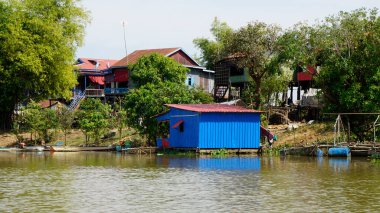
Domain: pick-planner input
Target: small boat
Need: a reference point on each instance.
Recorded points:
(33, 149)
(81, 149)
(10, 149)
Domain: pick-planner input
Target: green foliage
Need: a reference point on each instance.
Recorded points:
(156, 68)
(38, 43)
(120, 120)
(144, 103)
(219, 152)
(255, 47)
(346, 47)
(214, 50)
(152, 92)
(272, 84)
(375, 158)
(65, 120)
(39, 121)
(94, 118)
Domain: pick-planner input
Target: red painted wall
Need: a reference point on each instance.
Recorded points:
(182, 58)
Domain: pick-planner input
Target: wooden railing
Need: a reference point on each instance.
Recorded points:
(94, 92)
(115, 91)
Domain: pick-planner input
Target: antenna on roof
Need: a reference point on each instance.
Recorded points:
(124, 23)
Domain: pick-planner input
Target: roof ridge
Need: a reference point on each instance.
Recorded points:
(212, 108)
(158, 49)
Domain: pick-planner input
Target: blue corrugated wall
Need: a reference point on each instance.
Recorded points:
(229, 130)
(214, 130)
(189, 138)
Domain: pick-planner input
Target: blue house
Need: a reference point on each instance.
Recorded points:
(211, 126)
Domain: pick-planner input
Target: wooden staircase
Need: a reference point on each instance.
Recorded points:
(220, 91)
(78, 97)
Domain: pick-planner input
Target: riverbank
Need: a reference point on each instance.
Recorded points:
(76, 138)
(304, 134)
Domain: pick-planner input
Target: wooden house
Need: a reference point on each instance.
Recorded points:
(230, 80)
(118, 81)
(91, 73)
(210, 126)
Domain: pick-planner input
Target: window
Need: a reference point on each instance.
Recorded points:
(189, 81)
(181, 127)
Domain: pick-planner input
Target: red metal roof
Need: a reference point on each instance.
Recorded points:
(94, 63)
(133, 57)
(212, 108)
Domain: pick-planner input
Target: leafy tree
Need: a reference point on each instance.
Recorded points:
(39, 121)
(144, 103)
(255, 47)
(33, 118)
(160, 80)
(65, 120)
(156, 68)
(272, 85)
(38, 43)
(94, 118)
(48, 124)
(346, 47)
(120, 118)
(214, 50)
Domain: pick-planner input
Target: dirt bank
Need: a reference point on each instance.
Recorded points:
(303, 135)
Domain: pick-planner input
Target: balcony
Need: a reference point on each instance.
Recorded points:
(115, 91)
(240, 78)
(94, 92)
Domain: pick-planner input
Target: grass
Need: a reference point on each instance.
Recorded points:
(77, 138)
(219, 153)
(304, 135)
(176, 152)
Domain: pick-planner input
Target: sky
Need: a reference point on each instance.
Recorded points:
(175, 23)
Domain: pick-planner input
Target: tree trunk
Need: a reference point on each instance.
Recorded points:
(120, 132)
(257, 92)
(65, 136)
(5, 120)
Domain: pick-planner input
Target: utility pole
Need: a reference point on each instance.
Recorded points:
(124, 23)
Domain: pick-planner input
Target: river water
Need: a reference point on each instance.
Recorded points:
(111, 182)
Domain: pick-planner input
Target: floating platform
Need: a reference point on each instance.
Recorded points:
(302, 151)
(140, 150)
(363, 150)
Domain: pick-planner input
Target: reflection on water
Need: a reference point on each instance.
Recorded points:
(111, 182)
(208, 163)
(339, 164)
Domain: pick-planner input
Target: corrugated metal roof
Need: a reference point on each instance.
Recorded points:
(133, 57)
(94, 63)
(211, 108)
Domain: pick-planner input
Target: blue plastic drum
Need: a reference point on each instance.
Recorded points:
(339, 152)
